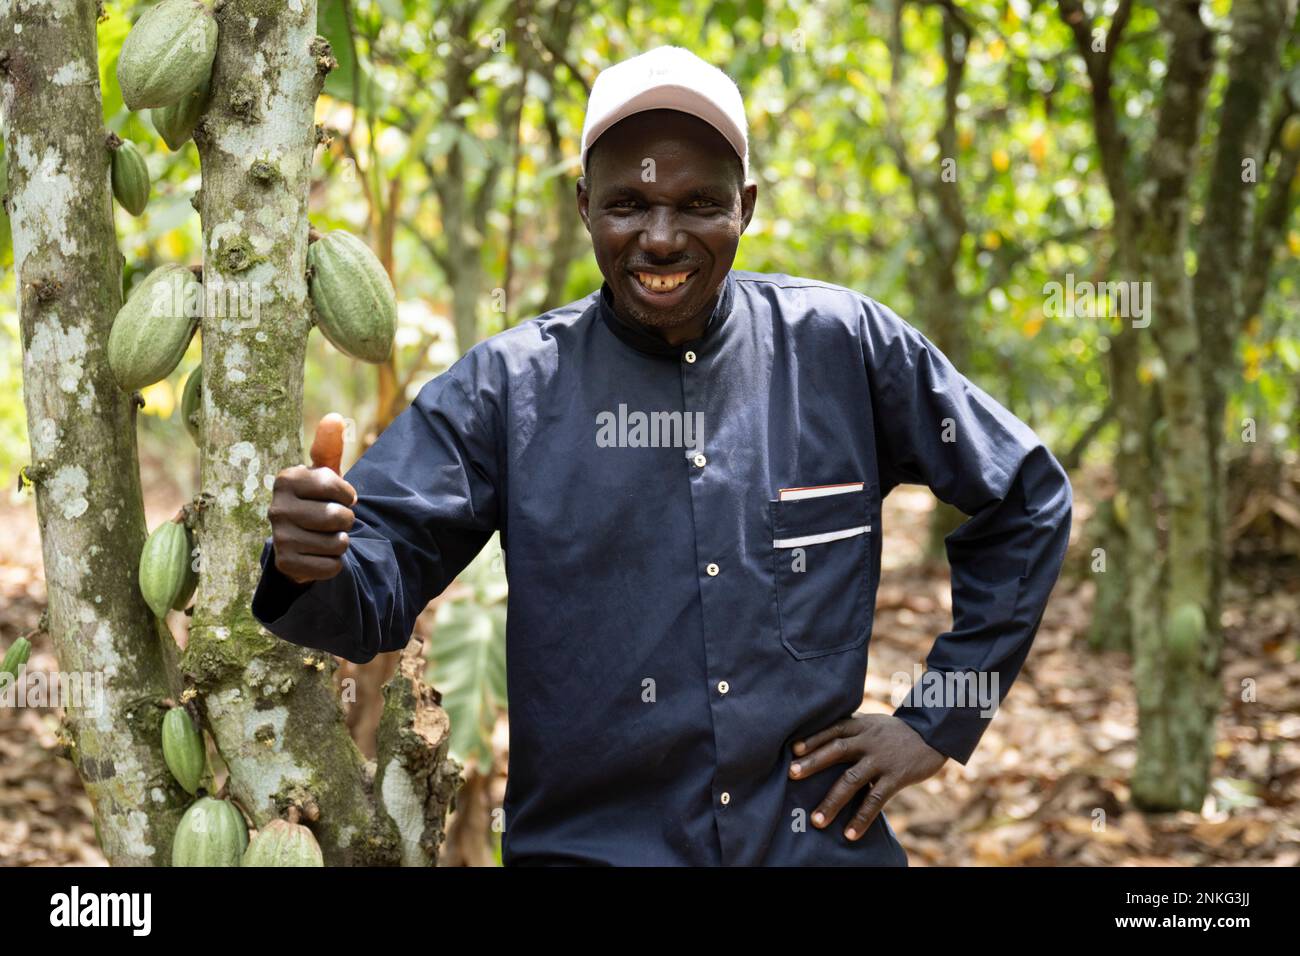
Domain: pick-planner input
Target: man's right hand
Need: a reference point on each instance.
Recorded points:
(311, 510)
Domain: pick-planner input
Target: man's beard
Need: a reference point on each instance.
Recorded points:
(661, 320)
(656, 319)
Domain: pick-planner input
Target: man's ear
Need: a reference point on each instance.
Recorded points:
(584, 199)
(748, 197)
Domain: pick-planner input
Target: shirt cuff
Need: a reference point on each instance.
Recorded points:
(275, 593)
(320, 615)
(953, 731)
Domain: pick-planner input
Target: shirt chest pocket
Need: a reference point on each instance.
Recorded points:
(822, 560)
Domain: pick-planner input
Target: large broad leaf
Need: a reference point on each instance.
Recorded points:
(467, 655)
(352, 81)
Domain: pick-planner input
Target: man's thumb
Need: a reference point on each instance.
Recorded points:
(327, 447)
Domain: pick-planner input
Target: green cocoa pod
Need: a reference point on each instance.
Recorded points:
(167, 54)
(281, 843)
(188, 587)
(192, 403)
(211, 833)
(16, 657)
(153, 328)
(1186, 631)
(183, 749)
(356, 307)
(165, 566)
(175, 123)
(130, 177)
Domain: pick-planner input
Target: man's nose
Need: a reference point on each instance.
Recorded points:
(662, 237)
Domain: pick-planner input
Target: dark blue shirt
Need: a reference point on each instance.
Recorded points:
(675, 619)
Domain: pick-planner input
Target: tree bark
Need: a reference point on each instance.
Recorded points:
(1163, 456)
(82, 426)
(271, 705)
(1271, 221)
(1179, 696)
(1258, 27)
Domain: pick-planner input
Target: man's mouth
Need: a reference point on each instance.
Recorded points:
(657, 283)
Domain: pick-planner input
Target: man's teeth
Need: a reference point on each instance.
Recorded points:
(662, 283)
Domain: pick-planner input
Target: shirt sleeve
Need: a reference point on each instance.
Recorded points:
(935, 427)
(426, 505)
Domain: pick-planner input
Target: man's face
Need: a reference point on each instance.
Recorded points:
(665, 205)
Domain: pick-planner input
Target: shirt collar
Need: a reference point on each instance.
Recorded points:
(651, 344)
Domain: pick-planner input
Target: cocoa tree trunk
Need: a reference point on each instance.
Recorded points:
(1168, 463)
(1177, 743)
(1258, 27)
(271, 705)
(82, 426)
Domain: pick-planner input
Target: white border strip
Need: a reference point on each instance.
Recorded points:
(819, 538)
(818, 491)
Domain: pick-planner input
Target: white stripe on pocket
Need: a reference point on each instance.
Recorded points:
(818, 491)
(819, 538)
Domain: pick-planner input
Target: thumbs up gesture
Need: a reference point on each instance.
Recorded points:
(327, 446)
(311, 510)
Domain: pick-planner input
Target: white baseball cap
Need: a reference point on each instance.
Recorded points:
(667, 78)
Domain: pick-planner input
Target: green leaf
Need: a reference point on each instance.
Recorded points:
(352, 80)
(467, 653)
(438, 143)
(724, 12)
(111, 33)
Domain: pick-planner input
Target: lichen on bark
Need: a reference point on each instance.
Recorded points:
(82, 426)
(272, 707)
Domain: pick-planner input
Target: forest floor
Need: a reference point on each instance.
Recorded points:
(1046, 786)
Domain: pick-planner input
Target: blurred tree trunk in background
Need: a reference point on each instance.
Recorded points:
(463, 203)
(941, 309)
(569, 241)
(82, 427)
(1224, 247)
(468, 834)
(1168, 387)
(1176, 663)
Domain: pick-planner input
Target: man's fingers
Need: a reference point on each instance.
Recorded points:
(849, 783)
(881, 790)
(298, 541)
(303, 568)
(317, 484)
(836, 750)
(327, 517)
(837, 729)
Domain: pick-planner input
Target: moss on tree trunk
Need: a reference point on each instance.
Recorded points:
(82, 426)
(272, 706)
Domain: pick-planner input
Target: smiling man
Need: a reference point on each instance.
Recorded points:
(687, 468)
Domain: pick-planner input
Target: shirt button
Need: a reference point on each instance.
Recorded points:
(700, 461)
(712, 569)
(723, 687)
(690, 357)
(726, 798)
